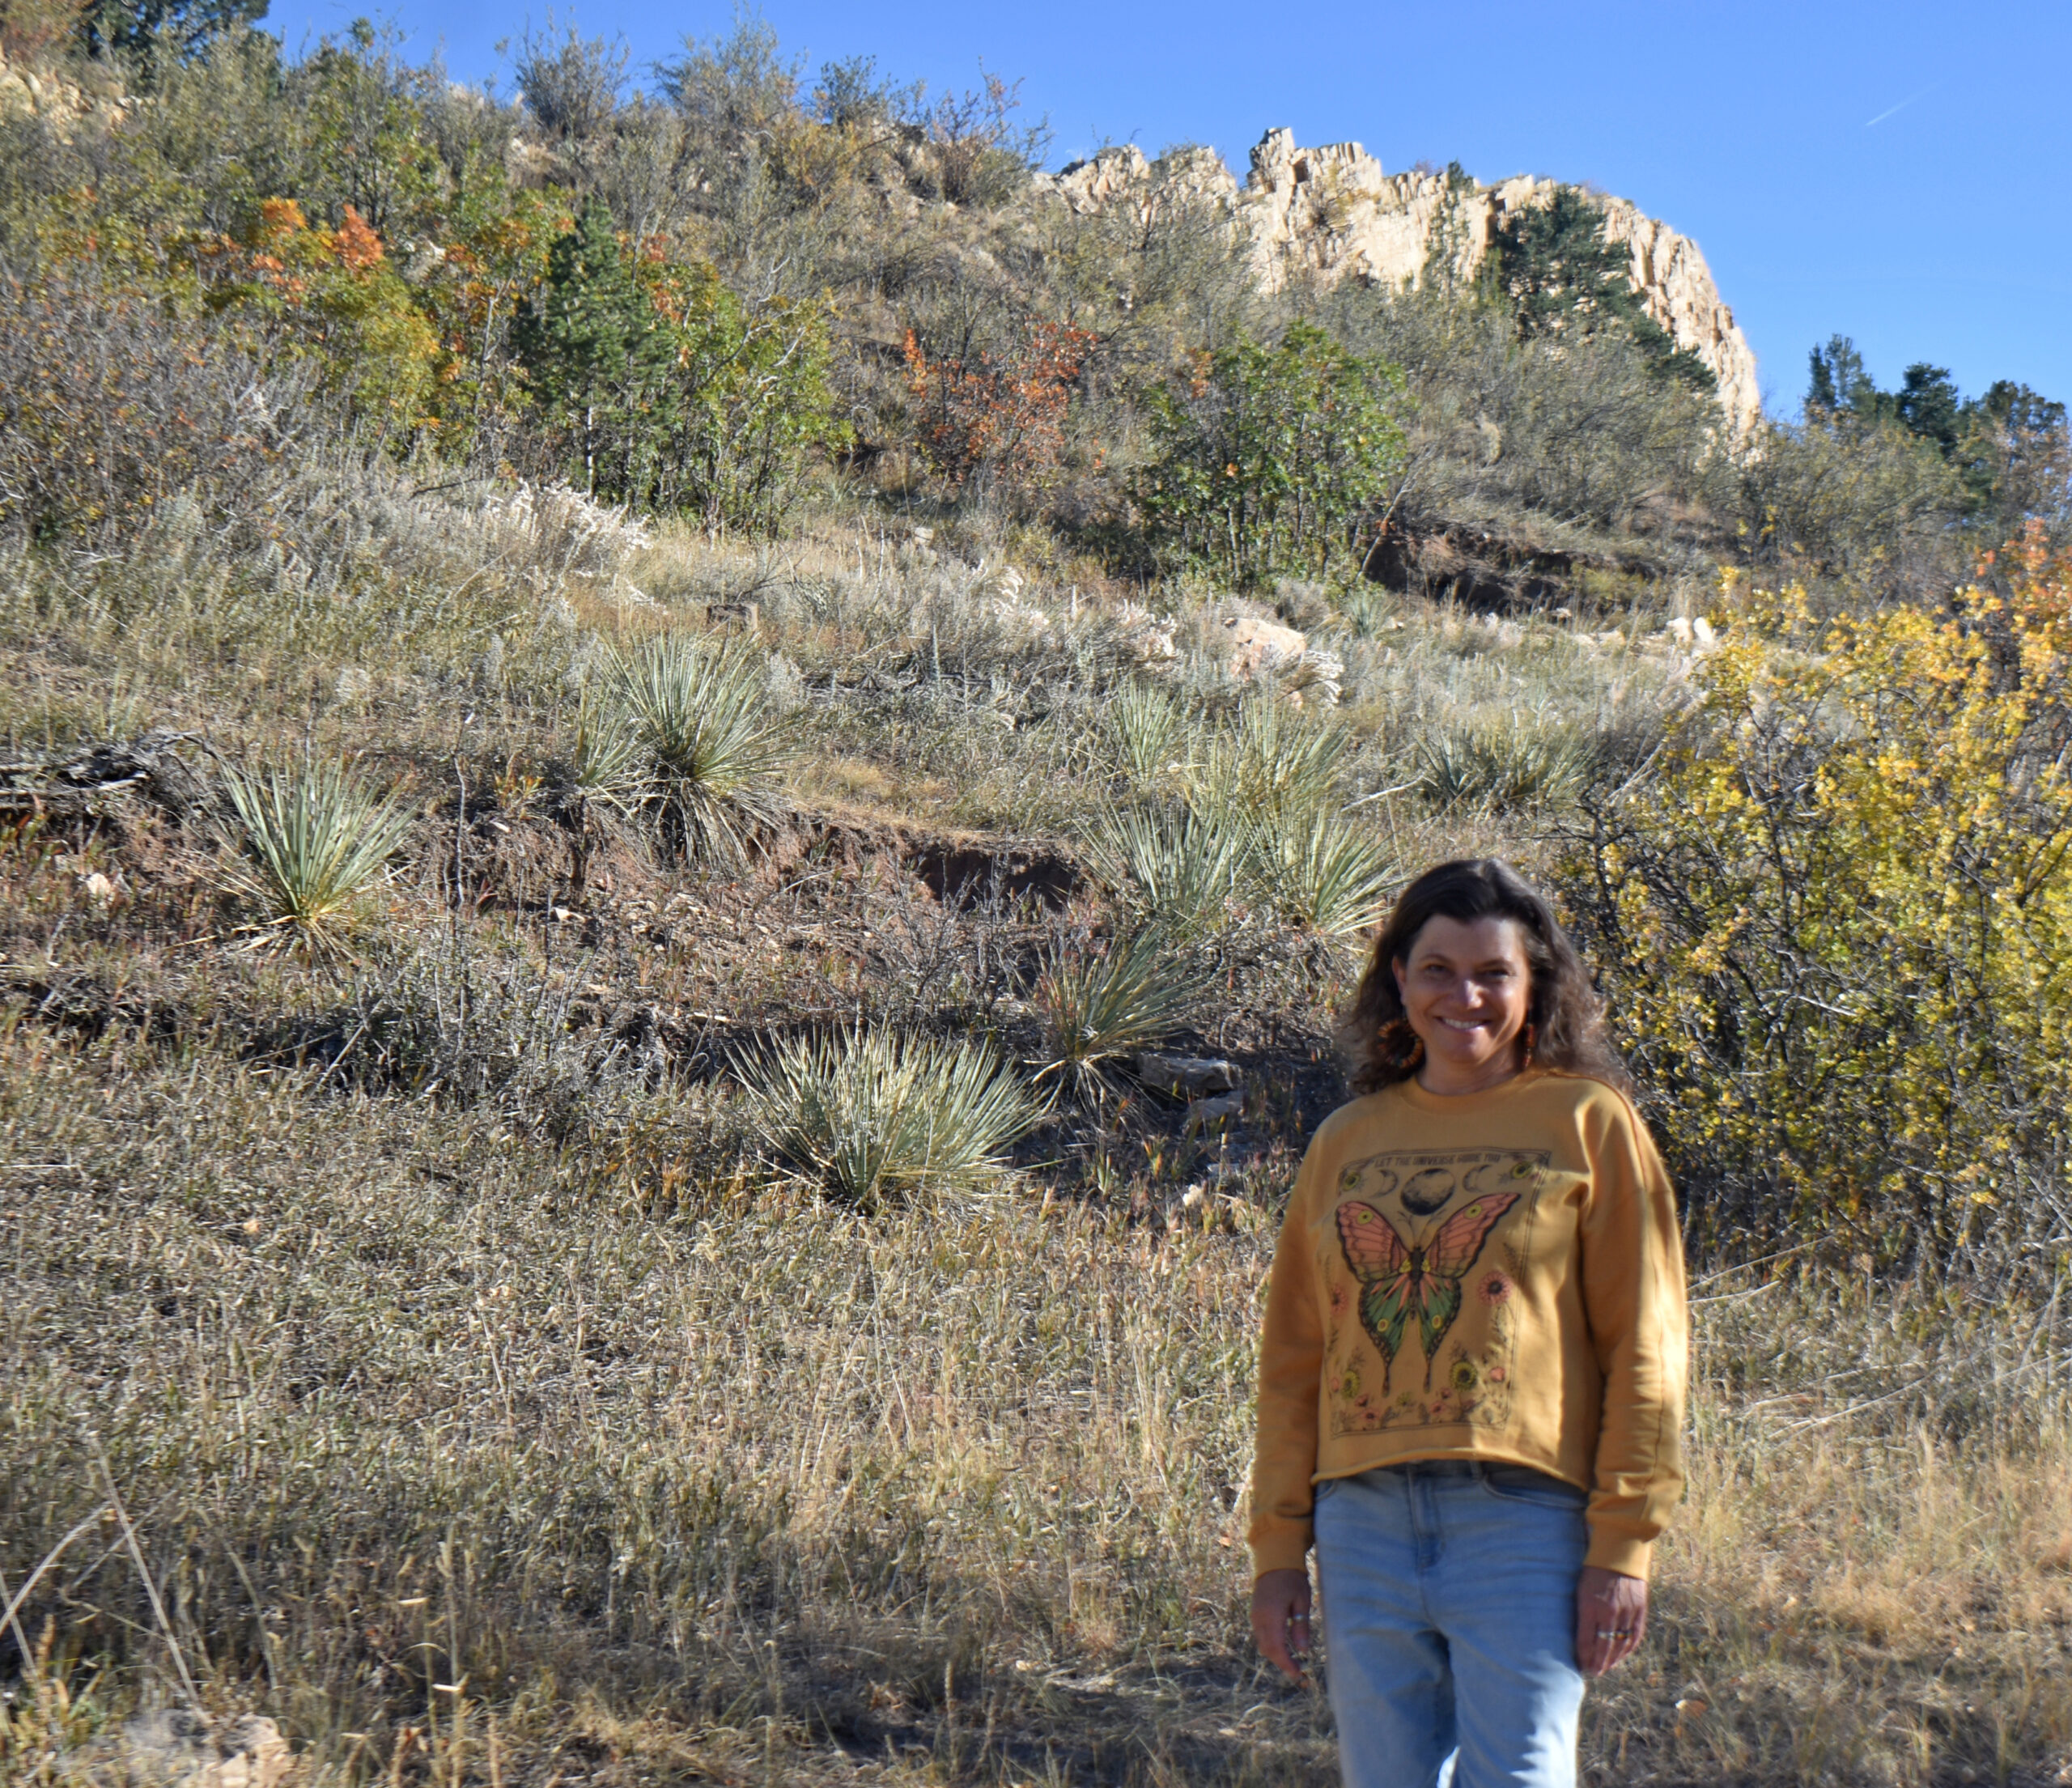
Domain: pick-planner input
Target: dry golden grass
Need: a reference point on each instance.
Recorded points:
(490, 1415)
(684, 1476)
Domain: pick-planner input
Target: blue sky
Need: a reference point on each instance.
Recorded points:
(1895, 173)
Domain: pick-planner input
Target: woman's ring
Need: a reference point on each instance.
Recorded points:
(1618, 1632)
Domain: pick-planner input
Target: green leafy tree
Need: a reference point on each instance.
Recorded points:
(1562, 276)
(147, 28)
(749, 401)
(363, 136)
(1268, 460)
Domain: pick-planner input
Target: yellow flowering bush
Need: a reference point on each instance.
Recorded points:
(1835, 926)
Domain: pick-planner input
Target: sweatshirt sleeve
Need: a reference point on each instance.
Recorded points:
(1291, 1364)
(1633, 1293)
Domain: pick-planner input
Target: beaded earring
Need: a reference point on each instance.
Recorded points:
(1401, 1042)
(1531, 1038)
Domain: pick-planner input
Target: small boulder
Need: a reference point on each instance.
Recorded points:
(186, 1750)
(1204, 1112)
(1257, 646)
(1187, 1076)
(1265, 648)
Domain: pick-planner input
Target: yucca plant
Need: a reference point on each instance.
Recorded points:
(698, 716)
(1144, 730)
(607, 769)
(1174, 870)
(1272, 765)
(309, 842)
(608, 764)
(876, 1116)
(1507, 767)
(1099, 1005)
(1320, 873)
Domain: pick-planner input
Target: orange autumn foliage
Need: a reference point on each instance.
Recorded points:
(998, 417)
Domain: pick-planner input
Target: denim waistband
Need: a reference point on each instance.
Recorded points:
(1436, 1467)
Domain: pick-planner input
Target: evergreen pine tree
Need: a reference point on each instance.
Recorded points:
(1927, 403)
(593, 353)
(1563, 278)
(1840, 387)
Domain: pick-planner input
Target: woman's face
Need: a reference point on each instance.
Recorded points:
(1466, 986)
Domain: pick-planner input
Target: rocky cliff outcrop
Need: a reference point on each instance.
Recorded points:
(1333, 212)
(27, 92)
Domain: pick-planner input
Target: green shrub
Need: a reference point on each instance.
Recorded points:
(1319, 872)
(310, 844)
(1501, 768)
(876, 1117)
(606, 764)
(1268, 461)
(1145, 730)
(659, 386)
(1272, 765)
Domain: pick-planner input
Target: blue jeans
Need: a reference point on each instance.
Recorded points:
(1449, 1595)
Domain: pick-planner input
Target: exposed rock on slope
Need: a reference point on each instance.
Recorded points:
(24, 93)
(1334, 211)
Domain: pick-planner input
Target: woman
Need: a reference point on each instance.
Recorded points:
(1471, 1378)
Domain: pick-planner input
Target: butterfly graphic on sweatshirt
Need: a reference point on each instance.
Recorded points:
(1399, 1280)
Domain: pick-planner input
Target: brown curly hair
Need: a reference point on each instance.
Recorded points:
(1562, 1008)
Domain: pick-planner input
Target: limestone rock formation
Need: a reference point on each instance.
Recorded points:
(1333, 212)
(63, 104)
(182, 1749)
(1123, 174)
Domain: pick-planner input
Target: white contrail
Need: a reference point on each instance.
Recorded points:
(1901, 107)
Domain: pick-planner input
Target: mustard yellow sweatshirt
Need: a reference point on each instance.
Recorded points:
(1498, 1276)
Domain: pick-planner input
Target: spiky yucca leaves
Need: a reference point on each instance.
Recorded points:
(876, 1116)
(607, 769)
(1144, 730)
(1272, 764)
(711, 745)
(309, 844)
(1175, 871)
(1502, 768)
(1320, 872)
(607, 764)
(1099, 1005)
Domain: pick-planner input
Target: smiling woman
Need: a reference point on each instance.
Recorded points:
(1482, 1477)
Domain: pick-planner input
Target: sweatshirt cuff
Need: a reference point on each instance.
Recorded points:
(1619, 1552)
(1285, 1548)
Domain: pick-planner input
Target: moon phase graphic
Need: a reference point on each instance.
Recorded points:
(1424, 1193)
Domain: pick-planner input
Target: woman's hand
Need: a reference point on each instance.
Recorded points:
(1611, 1618)
(1281, 1619)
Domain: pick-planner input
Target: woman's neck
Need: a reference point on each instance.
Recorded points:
(1449, 1082)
